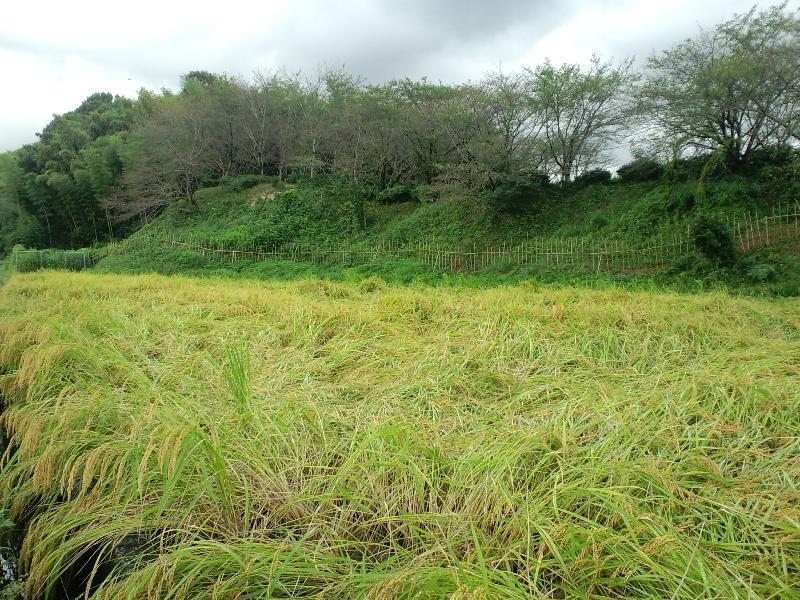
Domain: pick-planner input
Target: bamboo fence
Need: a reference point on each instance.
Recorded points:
(750, 232)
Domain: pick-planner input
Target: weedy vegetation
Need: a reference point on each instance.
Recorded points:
(179, 438)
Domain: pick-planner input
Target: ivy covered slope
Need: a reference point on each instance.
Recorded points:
(644, 202)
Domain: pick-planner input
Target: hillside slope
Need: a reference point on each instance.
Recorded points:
(248, 212)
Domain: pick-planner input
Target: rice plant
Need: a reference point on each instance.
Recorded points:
(179, 438)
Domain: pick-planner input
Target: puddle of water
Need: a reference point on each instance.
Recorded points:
(10, 545)
(8, 567)
(10, 538)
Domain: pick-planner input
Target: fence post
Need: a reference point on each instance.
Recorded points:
(796, 217)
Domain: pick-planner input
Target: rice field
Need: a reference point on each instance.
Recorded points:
(179, 438)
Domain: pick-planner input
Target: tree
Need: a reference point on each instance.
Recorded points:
(17, 225)
(584, 111)
(732, 89)
(346, 124)
(510, 121)
(73, 166)
(286, 97)
(313, 115)
(166, 159)
(386, 149)
(438, 125)
(256, 117)
(216, 104)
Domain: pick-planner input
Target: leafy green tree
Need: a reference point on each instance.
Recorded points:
(73, 167)
(256, 120)
(734, 87)
(101, 172)
(510, 123)
(584, 111)
(17, 225)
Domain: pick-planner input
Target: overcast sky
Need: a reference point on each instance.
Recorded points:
(55, 53)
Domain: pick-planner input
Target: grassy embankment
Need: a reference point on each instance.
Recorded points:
(321, 212)
(6, 269)
(330, 440)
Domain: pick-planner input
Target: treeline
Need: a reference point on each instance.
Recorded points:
(726, 93)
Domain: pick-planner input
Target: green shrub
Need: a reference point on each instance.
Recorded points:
(396, 194)
(21, 228)
(762, 272)
(593, 176)
(426, 193)
(13, 590)
(714, 240)
(675, 199)
(241, 183)
(640, 169)
(685, 169)
(237, 237)
(786, 289)
(598, 222)
(516, 194)
(770, 156)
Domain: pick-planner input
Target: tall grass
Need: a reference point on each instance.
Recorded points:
(315, 439)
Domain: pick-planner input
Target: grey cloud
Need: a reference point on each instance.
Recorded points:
(471, 20)
(416, 38)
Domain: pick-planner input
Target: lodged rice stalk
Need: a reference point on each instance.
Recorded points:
(178, 438)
